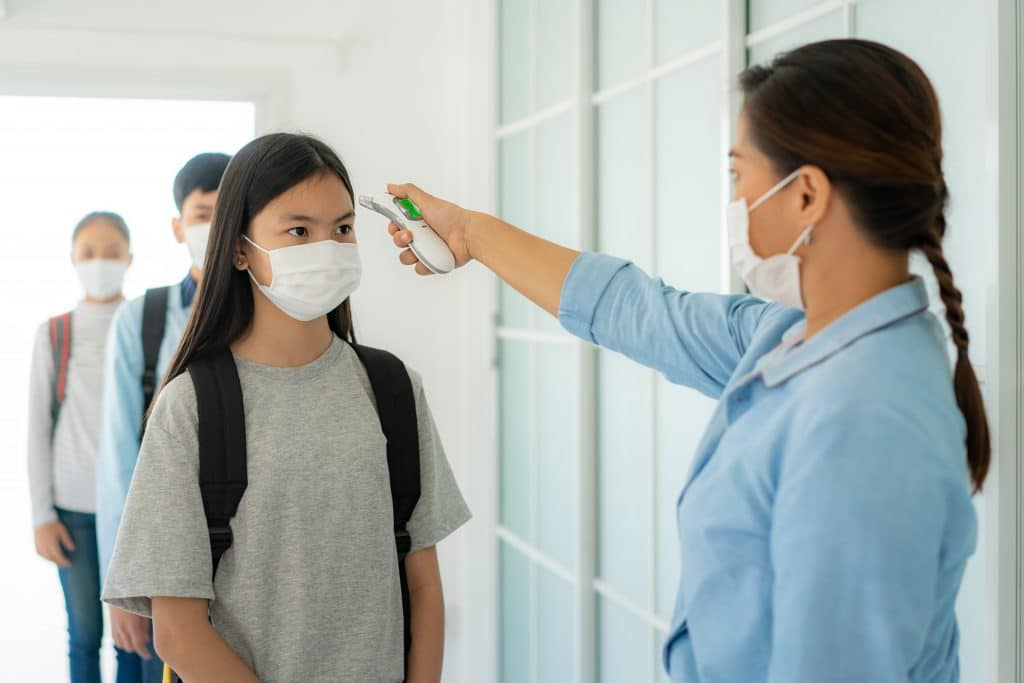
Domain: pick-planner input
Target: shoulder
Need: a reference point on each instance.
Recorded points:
(129, 314)
(175, 409)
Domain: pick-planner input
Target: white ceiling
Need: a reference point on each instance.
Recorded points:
(277, 19)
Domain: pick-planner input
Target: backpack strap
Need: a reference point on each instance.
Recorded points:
(223, 474)
(154, 319)
(60, 348)
(396, 409)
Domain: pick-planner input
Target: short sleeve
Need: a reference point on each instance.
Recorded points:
(441, 508)
(162, 546)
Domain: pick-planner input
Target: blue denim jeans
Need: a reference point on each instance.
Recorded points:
(81, 584)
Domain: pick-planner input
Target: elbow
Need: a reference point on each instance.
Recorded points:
(170, 640)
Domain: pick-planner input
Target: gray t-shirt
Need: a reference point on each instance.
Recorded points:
(309, 590)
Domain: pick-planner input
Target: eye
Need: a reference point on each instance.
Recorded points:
(344, 230)
(733, 175)
(298, 232)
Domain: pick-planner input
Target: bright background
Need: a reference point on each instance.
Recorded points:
(599, 123)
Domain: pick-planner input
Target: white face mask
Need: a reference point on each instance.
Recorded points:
(101, 278)
(196, 237)
(311, 280)
(776, 277)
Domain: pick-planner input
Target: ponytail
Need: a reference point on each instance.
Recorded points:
(965, 383)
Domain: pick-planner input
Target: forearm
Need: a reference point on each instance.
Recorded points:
(40, 446)
(531, 265)
(197, 653)
(427, 653)
(40, 482)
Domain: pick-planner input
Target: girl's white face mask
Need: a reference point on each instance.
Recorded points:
(196, 237)
(776, 277)
(311, 280)
(101, 278)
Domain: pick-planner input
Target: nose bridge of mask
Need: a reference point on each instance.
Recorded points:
(311, 257)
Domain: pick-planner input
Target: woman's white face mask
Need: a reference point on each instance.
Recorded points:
(775, 277)
(311, 280)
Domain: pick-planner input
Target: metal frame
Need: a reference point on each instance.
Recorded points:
(1004, 498)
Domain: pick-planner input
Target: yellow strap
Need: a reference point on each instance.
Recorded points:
(167, 674)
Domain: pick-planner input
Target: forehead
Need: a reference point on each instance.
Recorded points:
(197, 199)
(322, 195)
(97, 230)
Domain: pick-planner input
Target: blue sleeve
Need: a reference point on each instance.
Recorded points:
(693, 339)
(856, 541)
(120, 421)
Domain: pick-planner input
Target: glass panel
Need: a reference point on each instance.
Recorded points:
(556, 192)
(515, 206)
(954, 74)
(557, 449)
(764, 13)
(683, 415)
(516, 620)
(556, 631)
(822, 28)
(514, 381)
(624, 177)
(686, 25)
(555, 31)
(962, 97)
(624, 476)
(514, 59)
(625, 645)
(690, 167)
(621, 41)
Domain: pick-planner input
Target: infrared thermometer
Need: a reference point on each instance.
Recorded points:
(426, 245)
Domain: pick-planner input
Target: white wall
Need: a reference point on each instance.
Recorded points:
(403, 91)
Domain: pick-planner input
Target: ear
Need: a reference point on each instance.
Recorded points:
(179, 234)
(815, 193)
(239, 260)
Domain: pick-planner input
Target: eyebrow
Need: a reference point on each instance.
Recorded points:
(302, 218)
(734, 153)
(202, 207)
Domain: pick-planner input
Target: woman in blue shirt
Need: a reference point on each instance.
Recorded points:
(827, 518)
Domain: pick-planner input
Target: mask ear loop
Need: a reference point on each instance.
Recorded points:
(248, 268)
(774, 190)
(801, 240)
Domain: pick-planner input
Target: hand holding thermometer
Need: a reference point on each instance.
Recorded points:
(428, 247)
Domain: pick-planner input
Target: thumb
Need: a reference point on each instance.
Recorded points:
(65, 539)
(409, 191)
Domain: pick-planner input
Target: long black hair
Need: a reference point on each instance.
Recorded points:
(261, 171)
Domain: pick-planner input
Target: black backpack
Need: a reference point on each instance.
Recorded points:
(222, 451)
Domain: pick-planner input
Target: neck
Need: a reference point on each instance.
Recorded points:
(275, 338)
(197, 274)
(838, 287)
(106, 300)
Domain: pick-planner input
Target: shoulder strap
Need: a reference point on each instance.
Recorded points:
(154, 318)
(60, 347)
(223, 473)
(396, 409)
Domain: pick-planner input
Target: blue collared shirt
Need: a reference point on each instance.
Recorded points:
(121, 412)
(827, 520)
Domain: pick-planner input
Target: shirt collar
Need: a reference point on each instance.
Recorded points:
(892, 305)
(188, 290)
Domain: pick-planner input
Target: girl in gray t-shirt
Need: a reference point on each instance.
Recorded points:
(309, 590)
